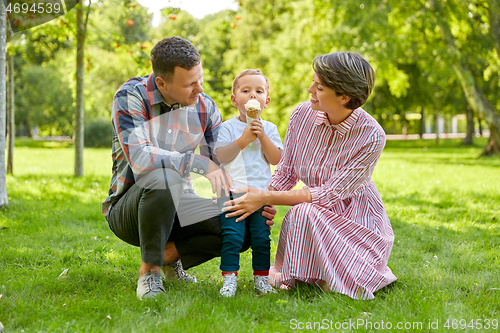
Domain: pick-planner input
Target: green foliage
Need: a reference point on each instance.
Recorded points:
(442, 201)
(98, 133)
(176, 22)
(106, 72)
(117, 23)
(41, 44)
(212, 42)
(44, 100)
(116, 52)
(401, 40)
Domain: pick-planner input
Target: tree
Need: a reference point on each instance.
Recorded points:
(11, 128)
(213, 41)
(81, 35)
(469, 138)
(4, 200)
(473, 92)
(36, 49)
(47, 101)
(176, 22)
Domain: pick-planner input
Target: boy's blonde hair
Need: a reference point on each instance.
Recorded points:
(249, 72)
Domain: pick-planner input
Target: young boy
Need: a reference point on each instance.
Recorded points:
(245, 148)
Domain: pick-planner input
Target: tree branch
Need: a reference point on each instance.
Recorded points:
(87, 16)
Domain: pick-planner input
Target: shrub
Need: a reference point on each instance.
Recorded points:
(98, 134)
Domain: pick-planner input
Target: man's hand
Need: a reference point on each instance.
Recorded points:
(219, 179)
(269, 213)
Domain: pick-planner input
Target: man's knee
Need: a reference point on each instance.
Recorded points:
(162, 179)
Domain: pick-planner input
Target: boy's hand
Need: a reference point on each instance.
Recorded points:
(258, 129)
(248, 136)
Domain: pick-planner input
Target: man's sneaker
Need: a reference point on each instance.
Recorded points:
(149, 285)
(229, 285)
(261, 284)
(174, 271)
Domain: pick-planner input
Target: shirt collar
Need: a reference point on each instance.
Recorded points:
(321, 118)
(343, 127)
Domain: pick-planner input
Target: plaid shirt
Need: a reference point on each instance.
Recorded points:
(149, 134)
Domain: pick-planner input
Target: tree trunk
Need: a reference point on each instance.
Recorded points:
(11, 127)
(436, 126)
(25, 128)
(479, 125)
(481, 105)
(421, 130)
(474, 95)
(492, 148)
(469, 137)
(4, 199)
(80, 68)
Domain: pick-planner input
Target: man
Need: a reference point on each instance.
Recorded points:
(158, 122)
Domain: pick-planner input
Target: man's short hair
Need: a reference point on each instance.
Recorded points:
(249, 72)
(346, 73)
(173, 52)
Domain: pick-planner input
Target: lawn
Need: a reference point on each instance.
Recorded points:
(443, 202)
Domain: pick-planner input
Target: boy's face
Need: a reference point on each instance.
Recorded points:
(250, 87)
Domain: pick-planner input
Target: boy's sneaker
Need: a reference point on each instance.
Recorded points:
(261, 284)
(174, 271)
(149, 285)
(229, 285)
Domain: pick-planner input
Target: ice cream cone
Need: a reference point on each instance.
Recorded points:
(252, 108)
(254, 114)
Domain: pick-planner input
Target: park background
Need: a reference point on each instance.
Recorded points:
(437, 65)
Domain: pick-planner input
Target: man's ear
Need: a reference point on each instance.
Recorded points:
(233, 99)
(160, 82)
(344, 99)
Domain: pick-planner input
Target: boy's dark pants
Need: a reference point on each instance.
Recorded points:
(146, 216)
(233, 234)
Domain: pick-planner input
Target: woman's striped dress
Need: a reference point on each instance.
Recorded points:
(344, 236)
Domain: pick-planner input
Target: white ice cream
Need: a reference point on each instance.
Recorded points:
(253, 110)
(252, 104)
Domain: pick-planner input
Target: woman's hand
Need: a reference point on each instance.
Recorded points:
(246, 204)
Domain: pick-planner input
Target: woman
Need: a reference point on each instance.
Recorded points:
(337, 233)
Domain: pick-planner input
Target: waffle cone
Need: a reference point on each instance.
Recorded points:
(254, 114)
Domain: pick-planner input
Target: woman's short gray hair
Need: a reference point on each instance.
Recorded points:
(346, 73)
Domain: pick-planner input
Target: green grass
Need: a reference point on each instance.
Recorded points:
(443, 202)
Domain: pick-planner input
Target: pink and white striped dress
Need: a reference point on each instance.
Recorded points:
(344, 236)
